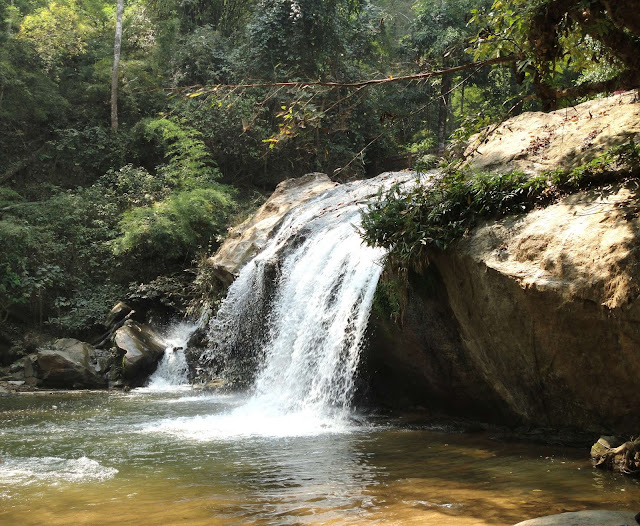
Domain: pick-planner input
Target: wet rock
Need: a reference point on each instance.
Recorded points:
(245, 240)
(142, 348)
(585, 518)
(69, 364)
(613, 454)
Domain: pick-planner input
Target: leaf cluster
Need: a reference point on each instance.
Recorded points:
(434, 214)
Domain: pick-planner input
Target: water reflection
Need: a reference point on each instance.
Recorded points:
(97, 460)
(303, 480)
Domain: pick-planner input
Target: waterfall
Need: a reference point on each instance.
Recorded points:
(295, 318)
(173, 369)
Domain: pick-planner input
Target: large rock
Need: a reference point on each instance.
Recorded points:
(545, 306)
(69, 364)
(247, 239)
(536, 141)
(530, 319)
(548, 307)
(422, 363)
(142, 348)
(585, 518)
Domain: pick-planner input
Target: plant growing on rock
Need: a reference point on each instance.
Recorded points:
(433, 214)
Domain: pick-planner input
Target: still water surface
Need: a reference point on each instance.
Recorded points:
(181, 457)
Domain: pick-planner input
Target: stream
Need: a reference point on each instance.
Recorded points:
(291, 449)
(164, 457)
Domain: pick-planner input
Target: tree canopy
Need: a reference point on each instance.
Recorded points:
(219, 100)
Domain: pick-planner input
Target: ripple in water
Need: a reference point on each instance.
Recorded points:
(52, 470)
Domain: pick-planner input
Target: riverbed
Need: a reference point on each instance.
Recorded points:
(184, 457)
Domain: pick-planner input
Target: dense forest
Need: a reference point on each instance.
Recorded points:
(115, 190)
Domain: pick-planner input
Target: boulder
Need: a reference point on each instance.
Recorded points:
(534, 142)
(585, 518)
(141, 349)
(117, 314)
(247, 239)
(548, 306)
(543, 308)
(69, 364)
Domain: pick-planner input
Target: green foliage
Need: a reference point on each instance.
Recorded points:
(56, 31)
(175, 228)
(561, 44)
(435, 213)
(390, 299)
(188, 162)
(299, 38)
(87, 309)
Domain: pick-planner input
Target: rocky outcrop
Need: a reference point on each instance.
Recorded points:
(141, 349)
(69, 364)
(247, 239)
(548, 308)
(534, 142)
(421, 363)
(126, 355)
(531, 319)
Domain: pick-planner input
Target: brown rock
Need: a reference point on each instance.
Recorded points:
(69, 364)
(117, 314)
(549, 309)
(584, 518)
(142, 348)
(536, 141)
(247, 239)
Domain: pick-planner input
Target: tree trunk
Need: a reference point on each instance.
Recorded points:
(9, 21)
(116, 63)
(443, 111)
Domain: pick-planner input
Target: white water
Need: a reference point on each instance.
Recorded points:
(53, 470)
(311, 337)
(173, 371)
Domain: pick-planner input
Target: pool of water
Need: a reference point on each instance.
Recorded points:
(183, 457)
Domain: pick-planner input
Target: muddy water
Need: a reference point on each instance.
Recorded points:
(150, 457)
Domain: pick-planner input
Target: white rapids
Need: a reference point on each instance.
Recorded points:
(173, 370)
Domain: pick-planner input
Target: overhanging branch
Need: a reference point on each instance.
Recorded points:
(197, 90)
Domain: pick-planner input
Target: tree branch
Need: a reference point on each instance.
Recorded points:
(360, 84)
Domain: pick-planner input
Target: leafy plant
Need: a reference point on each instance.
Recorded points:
(176, 227)
(433, 215)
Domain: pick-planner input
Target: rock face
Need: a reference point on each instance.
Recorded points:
(422, 362)
(69, 364)
(538, 315)
(141, 349)
(535, 142)
(549, 310)
(585, 518)
(245, 240)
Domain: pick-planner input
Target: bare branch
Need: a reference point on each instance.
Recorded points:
(371, 82)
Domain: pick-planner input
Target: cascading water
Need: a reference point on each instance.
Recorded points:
(297, 314)
(173, 369)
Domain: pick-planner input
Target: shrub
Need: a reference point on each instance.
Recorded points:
(436, 213)
(175, 228)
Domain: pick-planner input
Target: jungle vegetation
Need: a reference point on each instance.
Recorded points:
(216, 101)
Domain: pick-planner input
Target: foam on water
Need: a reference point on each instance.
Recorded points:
(52, 470)
(250, 421)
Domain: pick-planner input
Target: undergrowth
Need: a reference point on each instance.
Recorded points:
(435, 214)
